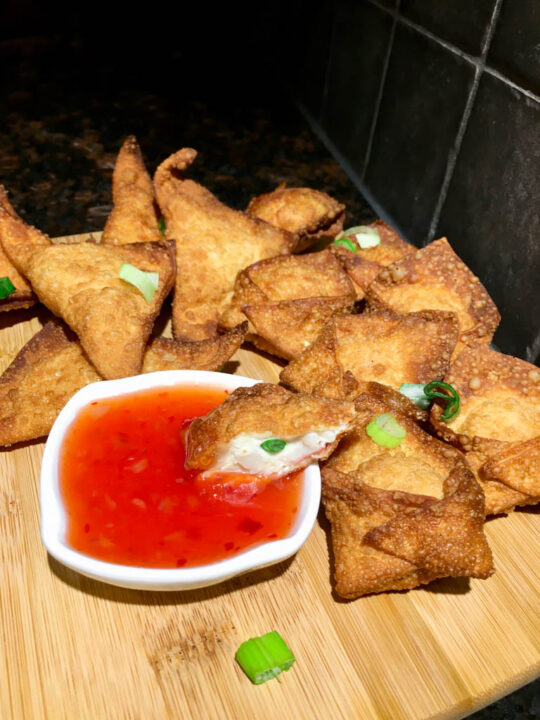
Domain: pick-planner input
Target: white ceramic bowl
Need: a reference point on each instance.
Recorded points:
(53, 514)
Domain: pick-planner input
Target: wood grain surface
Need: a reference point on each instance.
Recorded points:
(78, 649)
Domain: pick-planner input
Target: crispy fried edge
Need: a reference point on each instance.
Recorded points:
(49, 341)
(168, 354)
(130, 177)
(440, 258)
(246, 407)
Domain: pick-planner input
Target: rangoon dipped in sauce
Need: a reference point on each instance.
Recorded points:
(129, 499)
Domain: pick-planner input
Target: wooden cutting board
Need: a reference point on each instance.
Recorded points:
(78, 649)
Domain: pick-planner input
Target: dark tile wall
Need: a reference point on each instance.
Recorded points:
(433, 107)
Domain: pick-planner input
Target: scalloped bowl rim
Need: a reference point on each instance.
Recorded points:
(53, 514)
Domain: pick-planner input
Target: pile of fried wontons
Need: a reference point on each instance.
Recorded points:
(354, 324)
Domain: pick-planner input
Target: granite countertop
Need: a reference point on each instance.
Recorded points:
(66, 108)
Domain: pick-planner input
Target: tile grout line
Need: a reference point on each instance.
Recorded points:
(496, 74)
(454, 151)
(351, 173)
(426, 33)
(472, 59)
(378, 100)
(328, 66)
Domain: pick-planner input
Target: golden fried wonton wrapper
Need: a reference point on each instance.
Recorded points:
(213, 243)
(79, 282)
(48, 370)
(381, 347)
(167, 354)
(134, 217)
(498, 425)
(286, 328)
(402, 517)
(23, 296)
(435, 278)
(52, 366)
(310, 214)
(17, 234)
(266, 410)
(288, 299)
(364, 265)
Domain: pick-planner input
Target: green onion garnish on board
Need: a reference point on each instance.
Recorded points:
(6, 287)
(346, 243)
(263, 658)
(386, 431)
(146, 282)
(274, 445)
(415, 392)
(452, 399)
(161, 225)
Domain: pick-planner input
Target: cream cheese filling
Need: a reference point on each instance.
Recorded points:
(244, 454)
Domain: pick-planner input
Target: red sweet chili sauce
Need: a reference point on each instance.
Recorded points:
(129, 499)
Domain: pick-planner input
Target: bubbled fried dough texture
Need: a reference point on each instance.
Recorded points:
(435, 278)
(308, 213)
(48, 370)
(499, 414)
(213, 243)
(112, 319)
(133, 217)
(286, 328)
(315, 275)
(364, 265)
(417, 465)
(23, 296)
(401, 517)
(17, 240)
(263, 408)
(168, 354)
(380, 347)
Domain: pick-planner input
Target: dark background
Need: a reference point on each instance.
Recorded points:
(403, 96)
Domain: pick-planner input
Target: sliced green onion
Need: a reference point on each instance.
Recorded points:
(386, 431)
(263, 658)
(415, 392)
(346, 243)
(161, 225)
(6, 287)
(366, 237)
(274, 445)
(453, 402)
(146, 282)
(351, 231)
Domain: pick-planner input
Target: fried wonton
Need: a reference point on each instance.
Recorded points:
(231, 438)
(310, 214)
(134, 217)
(168, 354)
(380, 347)
(364, 264)
(22, 297)
(435, 278)
(17, 240)
(213, 243)
(286, 328)
(401, 517)
(393, 400)
(48, 370)
(288, 299)
(52, 366)
(498, 425)
(79, 282)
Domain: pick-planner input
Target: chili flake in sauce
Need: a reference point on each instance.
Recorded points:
(129, 499)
